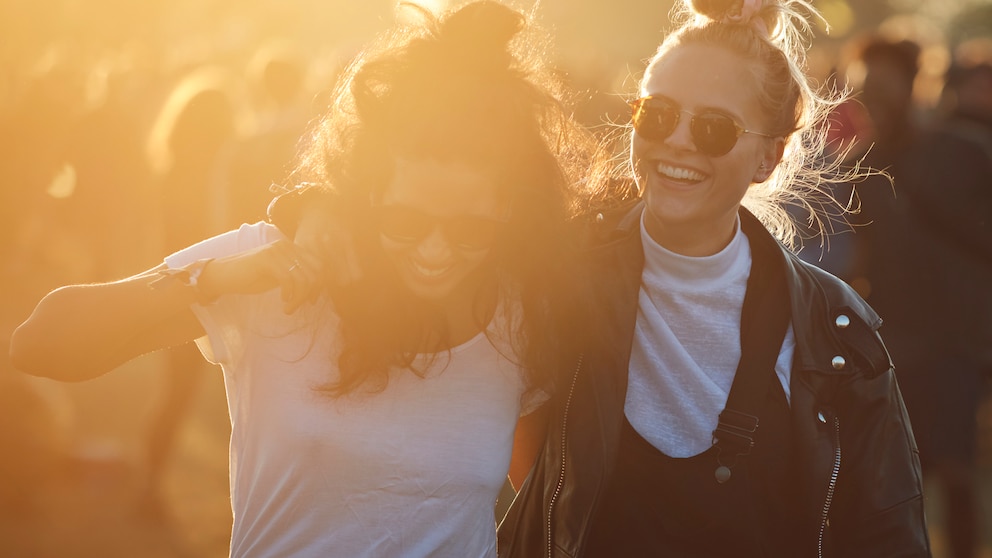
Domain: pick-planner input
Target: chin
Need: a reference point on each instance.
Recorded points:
(452, 286)
(429, 294)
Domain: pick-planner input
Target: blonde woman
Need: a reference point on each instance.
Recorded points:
(731, 400)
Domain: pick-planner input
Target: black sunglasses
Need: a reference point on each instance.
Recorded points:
(406, 225)
(714, 134)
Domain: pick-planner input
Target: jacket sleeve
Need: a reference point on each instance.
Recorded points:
(878, 508)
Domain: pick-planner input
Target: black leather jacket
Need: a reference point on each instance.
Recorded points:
(859, 466)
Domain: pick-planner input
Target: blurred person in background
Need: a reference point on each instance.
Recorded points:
(967, 95)
(948, 184)
(926, 260)
(277, 80)
(39, 115)
(106, 150)
(189, 149)
(886, 238)
(35, 131)
(378, 419)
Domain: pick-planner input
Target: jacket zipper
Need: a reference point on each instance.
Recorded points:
(830, 487)
(564, 428)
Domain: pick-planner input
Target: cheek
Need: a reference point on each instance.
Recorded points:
(743, 161)
(393, 251)
(736, 177)
(475, 261)
(468, 265)
(637, 146)
(637, 149)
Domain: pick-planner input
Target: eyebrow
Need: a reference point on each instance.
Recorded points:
(700, 110)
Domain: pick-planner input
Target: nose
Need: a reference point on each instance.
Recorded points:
(434, 247)
(681, 137)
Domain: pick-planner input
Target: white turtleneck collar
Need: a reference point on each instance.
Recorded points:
(669, 269)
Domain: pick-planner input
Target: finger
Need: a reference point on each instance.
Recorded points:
(315, 278)
(284, 264)
(306, 275)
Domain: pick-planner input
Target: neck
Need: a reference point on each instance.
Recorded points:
(694, 240)
(468, 311)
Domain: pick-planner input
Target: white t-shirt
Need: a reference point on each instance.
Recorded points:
(410, 471)
(687, 344)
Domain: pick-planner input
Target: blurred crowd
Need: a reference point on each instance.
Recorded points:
(90, 152)
(918, 247)
(107, 165)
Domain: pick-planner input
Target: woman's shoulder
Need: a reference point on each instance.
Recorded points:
(812, 288)
(835, 290)
(836, 330)
(608, 225)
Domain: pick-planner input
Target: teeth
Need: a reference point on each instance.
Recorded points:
(427, 271)
(679, 173)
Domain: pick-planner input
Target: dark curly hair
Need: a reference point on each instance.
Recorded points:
(469, 86)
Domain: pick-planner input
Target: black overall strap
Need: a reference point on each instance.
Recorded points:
(764, 321)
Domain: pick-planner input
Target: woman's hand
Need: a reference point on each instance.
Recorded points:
(307, 215)
(333, 241)
(299, 273)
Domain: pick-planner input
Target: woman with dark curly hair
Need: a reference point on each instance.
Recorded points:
(731, 400)
(374, 391)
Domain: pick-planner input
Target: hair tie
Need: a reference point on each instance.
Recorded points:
(748, 14)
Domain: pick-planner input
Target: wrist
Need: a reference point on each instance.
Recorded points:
(189, 277)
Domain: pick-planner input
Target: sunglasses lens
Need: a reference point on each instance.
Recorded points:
(402, 224)
(472, 233)
(714, 134)
(409, 226)
(654, 119)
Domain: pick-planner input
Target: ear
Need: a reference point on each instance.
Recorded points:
(771, 155)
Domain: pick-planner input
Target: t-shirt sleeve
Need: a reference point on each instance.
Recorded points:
(224, 319)
(226, 244)
(531, 400)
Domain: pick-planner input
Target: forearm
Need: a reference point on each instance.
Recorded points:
(83, 331)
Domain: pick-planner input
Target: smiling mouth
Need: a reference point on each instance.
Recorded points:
(429, 272)
(680, 174)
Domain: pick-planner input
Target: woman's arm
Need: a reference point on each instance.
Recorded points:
(527, 442)
(80, 332)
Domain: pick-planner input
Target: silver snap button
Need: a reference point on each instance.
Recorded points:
(599, 217)
(838, 362)
(821, 417)
(842, 321)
